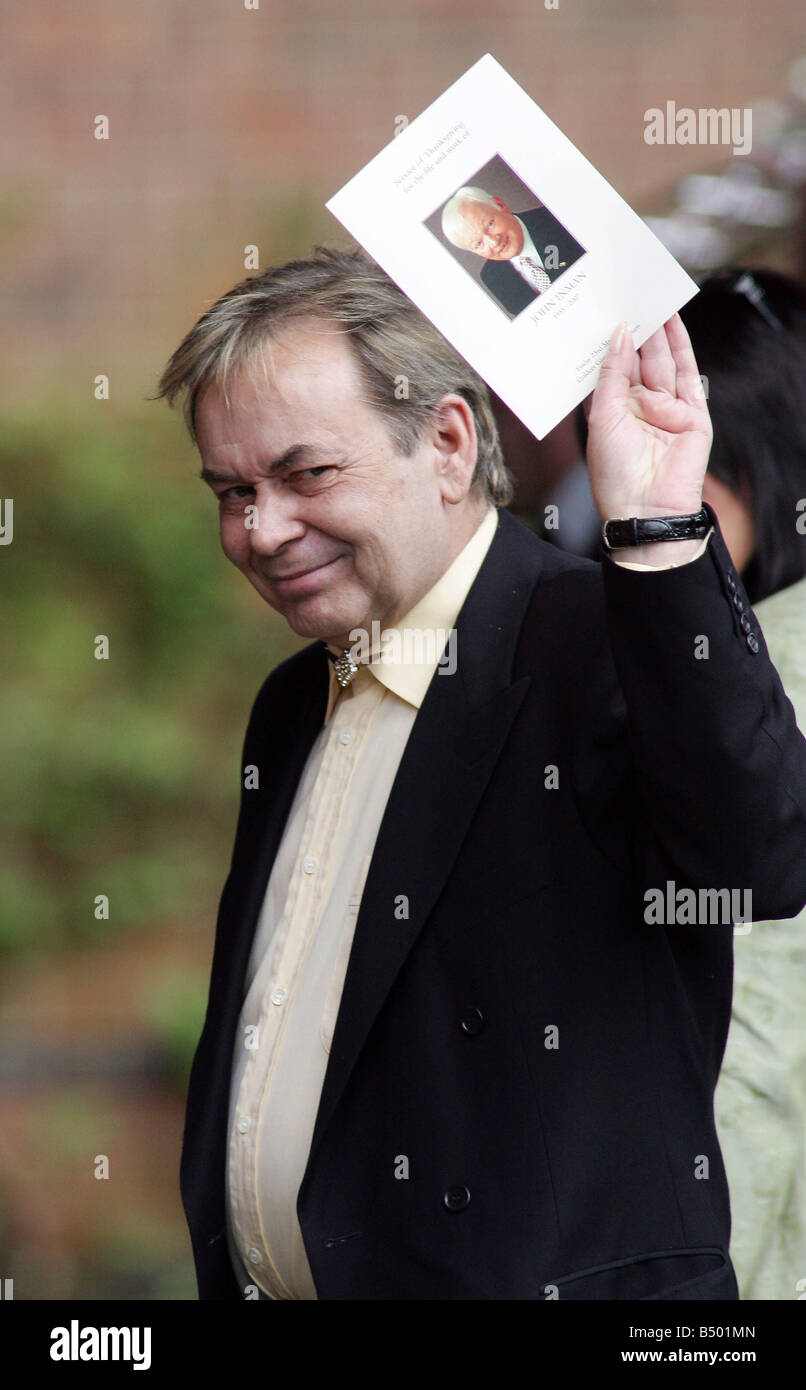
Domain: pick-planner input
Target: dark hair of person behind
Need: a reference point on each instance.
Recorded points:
(748, 331)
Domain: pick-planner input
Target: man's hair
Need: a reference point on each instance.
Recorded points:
(405, 363)
(453, 218)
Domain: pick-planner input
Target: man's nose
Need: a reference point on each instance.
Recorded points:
(277, 518)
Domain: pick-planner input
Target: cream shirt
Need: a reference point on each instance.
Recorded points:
(298, 962)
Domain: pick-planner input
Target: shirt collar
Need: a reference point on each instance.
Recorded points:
(528, 248)
(406, 656)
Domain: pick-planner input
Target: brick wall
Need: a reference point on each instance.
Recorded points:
(230, 126)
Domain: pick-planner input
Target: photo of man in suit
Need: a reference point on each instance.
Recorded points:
(525, 252)
(448, 1052)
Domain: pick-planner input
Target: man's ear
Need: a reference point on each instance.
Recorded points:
(500, 202)
(456, 443)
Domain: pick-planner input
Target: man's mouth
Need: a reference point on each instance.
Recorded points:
(304, 581)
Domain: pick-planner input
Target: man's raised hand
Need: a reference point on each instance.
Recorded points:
(649, 431)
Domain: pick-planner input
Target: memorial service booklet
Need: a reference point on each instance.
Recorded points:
(531, 267)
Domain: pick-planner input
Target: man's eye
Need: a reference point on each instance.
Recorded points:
(229, 493)
(314, 472)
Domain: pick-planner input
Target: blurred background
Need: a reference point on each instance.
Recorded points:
(228, 127)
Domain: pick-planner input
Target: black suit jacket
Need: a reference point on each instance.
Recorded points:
(583, 1162)
(503, 280)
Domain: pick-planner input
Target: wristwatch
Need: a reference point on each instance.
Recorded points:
(624, 533)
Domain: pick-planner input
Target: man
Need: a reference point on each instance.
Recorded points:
(447, 1054)
(525, 252)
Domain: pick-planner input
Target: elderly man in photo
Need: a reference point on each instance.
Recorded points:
(525, 252)
(448, 1053)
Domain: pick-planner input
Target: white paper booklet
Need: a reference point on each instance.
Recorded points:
(531, 267)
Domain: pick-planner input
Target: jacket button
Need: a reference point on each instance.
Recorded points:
(456, 1198)
(752, 641)
(472, 1021)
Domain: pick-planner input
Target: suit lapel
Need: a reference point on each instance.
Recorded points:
(453, 747)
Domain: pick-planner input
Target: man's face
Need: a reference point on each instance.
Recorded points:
(348, 529)
(491, 230)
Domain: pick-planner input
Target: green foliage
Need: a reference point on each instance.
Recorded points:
(121, 776)
(174, 1008)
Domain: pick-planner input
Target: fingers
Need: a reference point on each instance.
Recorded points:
(689, 382)
(658, 364)
(618, 370)
(635, 369)
(664, 363)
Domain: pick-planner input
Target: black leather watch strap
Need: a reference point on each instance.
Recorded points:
(625, 533)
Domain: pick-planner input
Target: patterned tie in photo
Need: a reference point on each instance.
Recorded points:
(538, 276)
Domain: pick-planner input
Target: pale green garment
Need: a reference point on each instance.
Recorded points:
(761, 1095)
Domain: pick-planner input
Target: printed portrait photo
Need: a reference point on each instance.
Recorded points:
(505, 237)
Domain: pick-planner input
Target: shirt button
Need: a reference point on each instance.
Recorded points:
(737, 603)
(346, 736)
(243, 1125)
(752, 641)
(309, 864)
(744, 623)
(456, 1198)
(277, 996)
(730, 581)
(472, 1021)
(254, 1255)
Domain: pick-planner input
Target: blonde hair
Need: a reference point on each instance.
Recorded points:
(393, 341)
